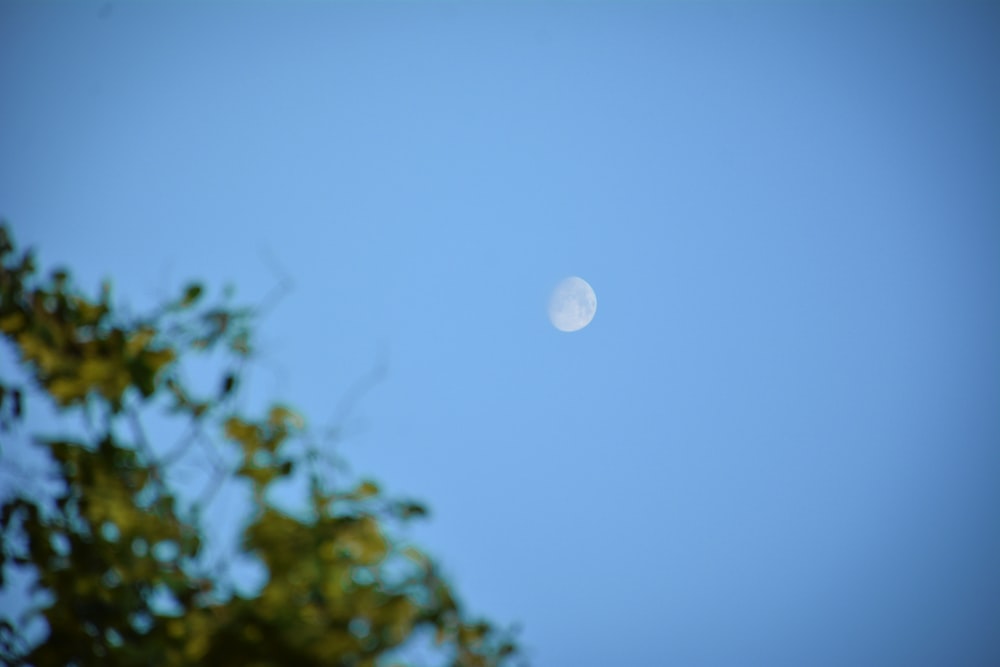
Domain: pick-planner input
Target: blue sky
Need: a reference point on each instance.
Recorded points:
(778, 442)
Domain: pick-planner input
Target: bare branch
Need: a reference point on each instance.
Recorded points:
(278, 292)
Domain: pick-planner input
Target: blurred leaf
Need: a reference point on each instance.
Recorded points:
(411, 510)
(366, 489)
(191, 294)
(240, 344)
(67, 390)
(227, 385)
(138, 341)
(12, 323)
(119, 557)
(282, 417)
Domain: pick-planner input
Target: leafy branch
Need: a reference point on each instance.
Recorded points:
(118, 549)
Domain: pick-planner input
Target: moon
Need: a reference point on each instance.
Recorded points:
(572, 305)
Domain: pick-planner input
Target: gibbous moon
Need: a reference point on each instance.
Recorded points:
(572, 305)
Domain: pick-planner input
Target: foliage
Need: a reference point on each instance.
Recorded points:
(122, 578)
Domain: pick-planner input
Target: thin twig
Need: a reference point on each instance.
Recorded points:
(143, 444)
(183, 445)
(357, 391)
(283, 286)
(212, 488)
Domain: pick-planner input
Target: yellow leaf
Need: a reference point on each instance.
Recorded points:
(281, 416)
(417, 556)
(246, 434)
(366, 489)
(157, 359)
(336, 643)
(399, 615)
(93, 371)
(472, 634)
(12, 323)
(138, 341)
(34, 349)
(66, 390)
(89, 313)
(366, 541)
(197, 646)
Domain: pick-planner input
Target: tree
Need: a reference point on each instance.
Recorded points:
(118, 550)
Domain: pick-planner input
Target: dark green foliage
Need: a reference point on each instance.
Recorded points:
(119, 552)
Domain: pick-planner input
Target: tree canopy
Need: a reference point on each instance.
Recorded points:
(115, 546)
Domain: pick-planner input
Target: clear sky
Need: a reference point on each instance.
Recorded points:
(777, 443)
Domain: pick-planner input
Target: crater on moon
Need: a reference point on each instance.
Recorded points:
(572, 305)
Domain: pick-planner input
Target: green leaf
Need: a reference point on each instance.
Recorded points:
(12, 323)
(67, 390)
(366, 489)
(411, 510)
(191, 294)
(228, 383)
(119, 552)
